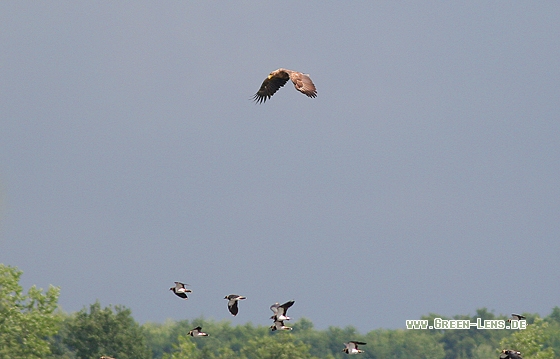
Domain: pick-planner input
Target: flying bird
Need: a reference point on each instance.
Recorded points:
(279, 325)
(280, 311)
(233, 299)
(515, 317)
(352, 347)
(510, 354)
(278, 78)
(180, 290)
(197, 332)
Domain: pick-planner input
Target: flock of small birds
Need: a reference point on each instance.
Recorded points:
(279, 316)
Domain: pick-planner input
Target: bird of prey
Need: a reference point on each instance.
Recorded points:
(180, 290)
(352, 347)
(515, 317)
(197, 332)
(233, 299)
(510, 354)
(280, 311)
(278, 78)
(279, 325)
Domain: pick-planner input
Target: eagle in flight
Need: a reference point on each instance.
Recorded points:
(278, 78)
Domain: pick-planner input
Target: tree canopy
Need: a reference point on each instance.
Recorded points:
(109, 331)
(26, 320)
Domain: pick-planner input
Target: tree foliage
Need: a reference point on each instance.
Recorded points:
(277, 346)
(26, 320)
(403, 344)
(530, 341)
(185, 348)
(109, 331)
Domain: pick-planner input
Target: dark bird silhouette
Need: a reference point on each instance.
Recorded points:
(279, 325)
(352, 347)
(233, 299)
(516, 317)
(180, 290)
(197, 332)
(280, 311)
(510, 354)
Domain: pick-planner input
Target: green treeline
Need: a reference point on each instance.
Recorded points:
(112, 331)
(31, 326)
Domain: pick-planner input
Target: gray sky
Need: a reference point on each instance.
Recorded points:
(425, 177)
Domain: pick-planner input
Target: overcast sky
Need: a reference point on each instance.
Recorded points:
(425, 177)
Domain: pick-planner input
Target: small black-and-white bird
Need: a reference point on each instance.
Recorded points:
(180, 290)
(352, 347)
(279, 325)
(280, 311)
(516, 317)
(233, 299)
(510, 354)
(197, 332)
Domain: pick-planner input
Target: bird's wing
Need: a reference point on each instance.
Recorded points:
(179, 285)
(270, 85)
(181, 294)
(303, 84)
(233, 308)
(285, 307)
